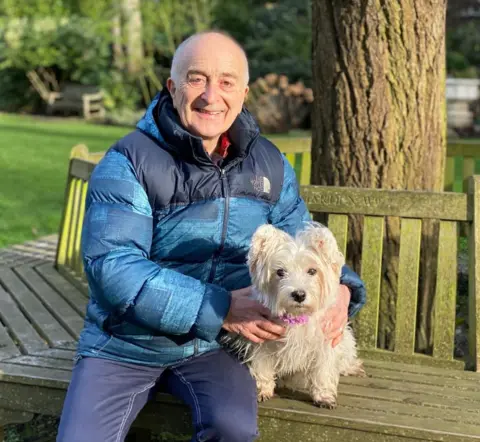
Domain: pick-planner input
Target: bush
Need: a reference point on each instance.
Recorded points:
(463, 51)
(76, 48)
(16, 93)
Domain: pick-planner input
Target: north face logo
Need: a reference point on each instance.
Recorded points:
(261, 184)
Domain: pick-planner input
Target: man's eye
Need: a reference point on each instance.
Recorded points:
(227, 84)
(312, 272)
(196, 81)
(281, 273)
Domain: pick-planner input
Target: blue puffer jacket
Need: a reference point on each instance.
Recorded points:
(166, 234)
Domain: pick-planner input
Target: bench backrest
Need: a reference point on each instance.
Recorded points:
(452, 210)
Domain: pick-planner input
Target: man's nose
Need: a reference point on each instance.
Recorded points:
(210, 93)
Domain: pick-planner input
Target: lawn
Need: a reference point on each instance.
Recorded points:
(33, 166)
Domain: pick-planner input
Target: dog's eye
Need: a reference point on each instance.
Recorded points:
(312, 272)
(281, 273)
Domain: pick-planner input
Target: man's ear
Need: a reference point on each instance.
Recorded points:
(171, 87)
(245, 95)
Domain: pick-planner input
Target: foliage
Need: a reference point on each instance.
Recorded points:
(76, 47)
(120, 91)
(167, 23)
(16, 93)
(463, 50)
(275, 35)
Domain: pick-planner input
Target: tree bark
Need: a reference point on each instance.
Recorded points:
(379, 117)
(133, 35)
(118, 56)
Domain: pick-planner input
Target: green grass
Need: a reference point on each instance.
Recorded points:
(33, 167)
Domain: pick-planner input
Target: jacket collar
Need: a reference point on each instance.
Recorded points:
(161, 122)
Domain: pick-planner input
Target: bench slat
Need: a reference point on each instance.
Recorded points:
(474, 275)
(77, 190)
(77, 262)
(23, 332)
(449, 174)
(452, 373)
(81, 169)
(60, 309)
(65, 233)
(380, 202)
(412, 389)
(468, 171)
(338, 224)
(409, 265)
(71, 294)
(26, 374)
(424, 399)
(43, 362)
(306, 168)
(366, 325)
(446, 292)
(359, 415)
(34, 310)
(57, 353)
(460, 384)
(7, 346)
(415, 359)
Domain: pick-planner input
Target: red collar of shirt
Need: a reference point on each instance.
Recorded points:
(225, 143)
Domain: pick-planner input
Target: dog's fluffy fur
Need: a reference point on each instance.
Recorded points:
(283, 269)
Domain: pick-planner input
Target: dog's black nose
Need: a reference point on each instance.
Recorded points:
(299, 295)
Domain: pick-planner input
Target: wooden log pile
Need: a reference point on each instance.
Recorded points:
(277, 105)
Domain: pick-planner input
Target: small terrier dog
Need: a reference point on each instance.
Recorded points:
(298, 280)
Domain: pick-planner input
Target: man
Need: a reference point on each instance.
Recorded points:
(169, 216)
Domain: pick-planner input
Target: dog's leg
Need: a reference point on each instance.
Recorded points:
(262, 370)
(323, 382)
(348, 362)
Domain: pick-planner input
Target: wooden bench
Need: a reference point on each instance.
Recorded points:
(406, 396)
(79, 99)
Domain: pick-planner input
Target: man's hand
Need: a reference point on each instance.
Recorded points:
(251, 319)
(336, 317)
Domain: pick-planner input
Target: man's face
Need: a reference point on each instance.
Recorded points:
(211, 86)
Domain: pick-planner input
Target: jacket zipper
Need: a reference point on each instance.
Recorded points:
(216, 256)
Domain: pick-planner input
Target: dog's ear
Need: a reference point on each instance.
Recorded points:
(264, 241)
(260, 245)
(319, 238)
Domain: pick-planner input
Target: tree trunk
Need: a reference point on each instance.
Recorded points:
(133, 35)
(379, 117)
(118, 56)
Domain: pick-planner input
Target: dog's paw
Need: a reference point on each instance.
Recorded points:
(327, 405)
(263, 396)
(325, 401)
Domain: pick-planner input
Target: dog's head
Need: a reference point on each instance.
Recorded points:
(295, 276)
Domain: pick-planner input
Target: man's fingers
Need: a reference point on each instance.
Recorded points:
(271, 327)
(252, 337)
(337, 340)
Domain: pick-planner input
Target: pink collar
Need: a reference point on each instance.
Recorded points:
(293, 320)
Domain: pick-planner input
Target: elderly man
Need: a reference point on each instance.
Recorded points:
(169, 216)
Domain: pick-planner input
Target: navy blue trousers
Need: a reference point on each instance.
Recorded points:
(104, 397)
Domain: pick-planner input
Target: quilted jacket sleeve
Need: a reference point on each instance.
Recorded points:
(116, 241)
(290, 212)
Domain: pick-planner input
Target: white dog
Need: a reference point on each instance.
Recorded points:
(298, 279)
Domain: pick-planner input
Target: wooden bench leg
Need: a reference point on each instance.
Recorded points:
(2, 435)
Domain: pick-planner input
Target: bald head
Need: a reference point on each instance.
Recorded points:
(215, 43)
